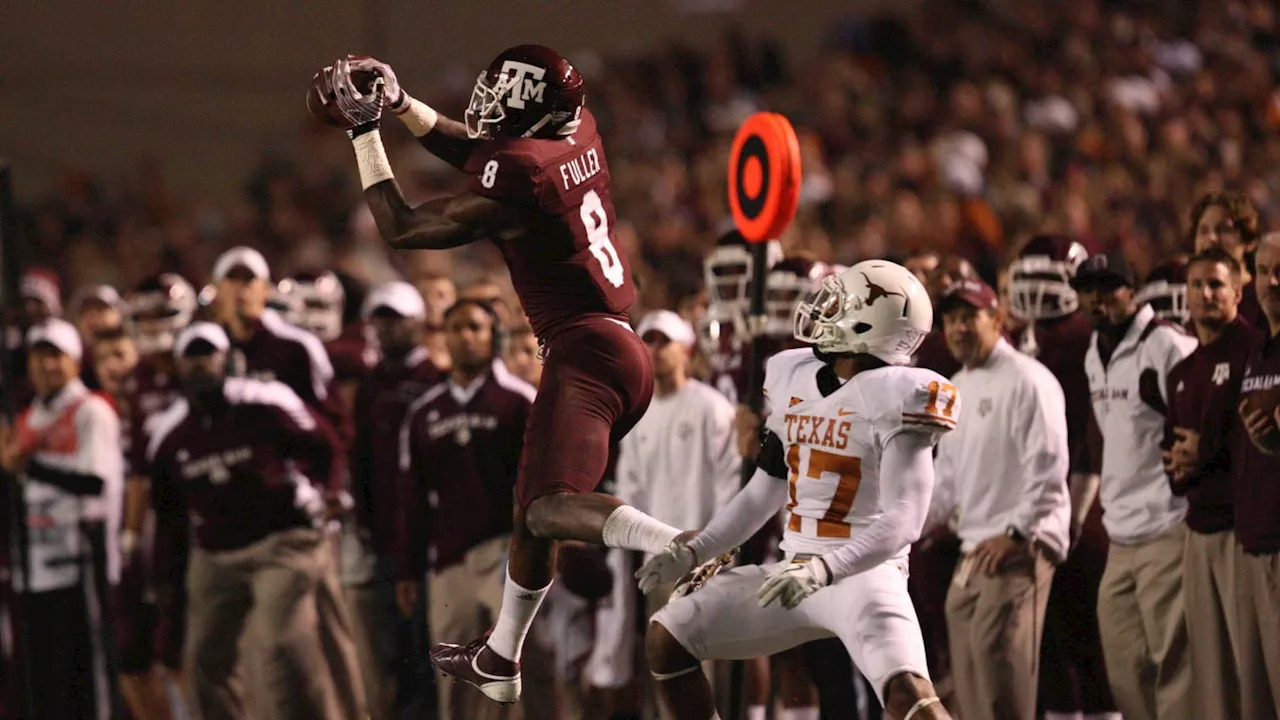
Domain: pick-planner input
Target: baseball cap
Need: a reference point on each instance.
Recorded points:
(104, 294)
(400, 297)
(241, 256)
(206, 331)
(1107, 271)
(970, 291)
(58, 333)
(668, 323)
(42, 285)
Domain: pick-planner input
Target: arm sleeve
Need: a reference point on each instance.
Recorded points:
(1042, 417)
(1175, 346)
(745, 513)
(76, 483)
(942, 502)
(908, 460)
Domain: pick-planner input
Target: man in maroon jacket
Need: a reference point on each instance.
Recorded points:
(1202, 434)
(265, 346)
(233, 460)
(459, 455)
(1257, 508)
(396, 312)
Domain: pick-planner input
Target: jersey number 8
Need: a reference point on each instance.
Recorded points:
(596, 221)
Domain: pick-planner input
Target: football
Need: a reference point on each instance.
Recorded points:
(318, 104)
(1264, 400)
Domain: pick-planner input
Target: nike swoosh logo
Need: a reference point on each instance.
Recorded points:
(842, 412)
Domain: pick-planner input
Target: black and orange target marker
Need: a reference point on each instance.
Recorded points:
(764, 176)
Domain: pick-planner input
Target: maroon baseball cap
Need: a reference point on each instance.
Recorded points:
(970, 291)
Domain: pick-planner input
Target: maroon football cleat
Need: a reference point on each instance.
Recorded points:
(500, 678)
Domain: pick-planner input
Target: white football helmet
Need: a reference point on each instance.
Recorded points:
(1166, 292)
(157, 309)
(313, 302)
(1040, 278)
(875, 307)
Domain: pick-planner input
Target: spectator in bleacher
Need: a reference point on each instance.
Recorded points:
(1202, 437)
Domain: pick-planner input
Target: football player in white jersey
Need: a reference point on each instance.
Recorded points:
(842, 416)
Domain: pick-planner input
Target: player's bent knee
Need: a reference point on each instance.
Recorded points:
(539, 516)
(667, 657)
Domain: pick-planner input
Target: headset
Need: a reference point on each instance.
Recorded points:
(499, 331)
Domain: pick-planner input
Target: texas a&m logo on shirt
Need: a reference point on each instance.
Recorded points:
(1221, 373)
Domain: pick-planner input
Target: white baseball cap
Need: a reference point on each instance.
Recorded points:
(400, 297)
(241, 256)
(207, 331)
(676, 328)
(58, 333)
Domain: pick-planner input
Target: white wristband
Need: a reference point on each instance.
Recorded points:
(372, 160)
(418, 116)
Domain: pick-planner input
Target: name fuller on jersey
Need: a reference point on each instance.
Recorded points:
(580, 168)
(817, 430)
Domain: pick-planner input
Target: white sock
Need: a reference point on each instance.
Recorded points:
(800, 713)
(1102, 716)
(756, 712)
(630, 529)
(1063, 716)
(519, 607)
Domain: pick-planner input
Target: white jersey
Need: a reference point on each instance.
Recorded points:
(833, 443)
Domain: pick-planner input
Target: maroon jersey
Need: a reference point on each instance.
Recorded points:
(243, 470)
(354, 352)
(295, 357)
(1257, 478)
(1204, 393)
(146, 393)
(459, 454)
(934, 355)
(568, 264)
(380, 404)
(1060, 345)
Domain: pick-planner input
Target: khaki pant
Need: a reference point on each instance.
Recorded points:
(373, 610)
(1144, 630)
(1209, 591)
(994, 626)
(283, 590)
(463, 600)
(1258, 649)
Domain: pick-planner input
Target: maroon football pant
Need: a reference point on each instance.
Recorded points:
(1073, 673)
(596, 385)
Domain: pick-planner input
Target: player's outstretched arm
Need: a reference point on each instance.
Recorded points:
(906, 469)
(445, 138)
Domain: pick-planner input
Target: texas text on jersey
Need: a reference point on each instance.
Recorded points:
(567, 264)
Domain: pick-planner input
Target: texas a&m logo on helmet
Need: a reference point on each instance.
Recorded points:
(527, 91)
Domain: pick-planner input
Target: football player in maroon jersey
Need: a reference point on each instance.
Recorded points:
(150, 620)
(1073, 675)
(539, 189)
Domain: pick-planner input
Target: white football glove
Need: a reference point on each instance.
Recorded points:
(794, 583)
(667, 567)
(355, 112)
(396, 96)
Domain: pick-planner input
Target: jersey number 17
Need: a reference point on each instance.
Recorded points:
(847, 469)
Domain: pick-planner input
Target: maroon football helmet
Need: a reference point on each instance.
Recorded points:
(157, 309)
(1166, 291)
(1040, 279)
(527, 91)
(788, 282)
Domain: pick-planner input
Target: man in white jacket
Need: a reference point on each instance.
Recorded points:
(680, 464)
(1004, 469)
(65, 449)
(1140, 608)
